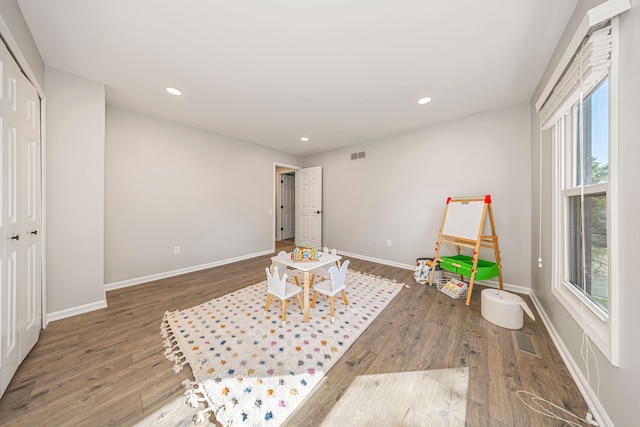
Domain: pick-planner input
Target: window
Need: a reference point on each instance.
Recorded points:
(584, 190)
(580, 113)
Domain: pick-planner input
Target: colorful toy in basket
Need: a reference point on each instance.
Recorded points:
(305, 253)
(454, 288)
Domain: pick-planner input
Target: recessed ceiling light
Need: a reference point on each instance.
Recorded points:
(424, 100)
(304, 139)
(174, 91)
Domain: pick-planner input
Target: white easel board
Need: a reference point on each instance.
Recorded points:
(464, 219)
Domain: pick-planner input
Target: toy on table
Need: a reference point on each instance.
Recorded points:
(305, 253)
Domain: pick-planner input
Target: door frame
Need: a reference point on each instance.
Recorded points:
(280, 176)
(275, 209)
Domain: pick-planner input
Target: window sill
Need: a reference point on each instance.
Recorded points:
(591, 318)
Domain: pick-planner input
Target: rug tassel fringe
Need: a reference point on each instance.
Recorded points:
(172, 349)
(196, 397)
(201, 416)
(194, 392)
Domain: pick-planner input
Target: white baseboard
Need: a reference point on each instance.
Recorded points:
(509, 287)
(74, 311)
(583, 385)
(164, 275)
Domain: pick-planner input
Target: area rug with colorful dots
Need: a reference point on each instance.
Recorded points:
(251, 370)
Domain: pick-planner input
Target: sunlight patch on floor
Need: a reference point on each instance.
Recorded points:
(433, 398)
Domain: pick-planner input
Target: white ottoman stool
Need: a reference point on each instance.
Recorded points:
(503, 308)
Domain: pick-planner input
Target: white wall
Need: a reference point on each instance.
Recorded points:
(399, 190)
(171, 185)
(75, 193)
(610, 386)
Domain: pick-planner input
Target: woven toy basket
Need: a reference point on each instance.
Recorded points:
(456, 289)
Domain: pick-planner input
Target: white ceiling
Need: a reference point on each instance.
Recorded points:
(340, 72)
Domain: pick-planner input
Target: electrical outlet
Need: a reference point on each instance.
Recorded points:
(388, 243)
(176, 250)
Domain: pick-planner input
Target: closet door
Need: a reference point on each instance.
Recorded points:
(29, 208)
(20, 245)
(10, 350)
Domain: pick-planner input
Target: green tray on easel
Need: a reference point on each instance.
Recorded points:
(462, 264)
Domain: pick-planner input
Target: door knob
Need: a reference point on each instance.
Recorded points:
(16, 237)
(318, 212)
(34, 232)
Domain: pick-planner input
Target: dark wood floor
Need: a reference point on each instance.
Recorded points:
(107, 367)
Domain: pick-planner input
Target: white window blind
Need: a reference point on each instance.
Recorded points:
(589, 65)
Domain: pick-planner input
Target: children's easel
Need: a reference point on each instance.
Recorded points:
(462, 226)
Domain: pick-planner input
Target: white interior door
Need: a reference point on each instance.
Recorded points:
(287, 206)
(20, 247)
(29, 211)
(309, 206)
(10, 351)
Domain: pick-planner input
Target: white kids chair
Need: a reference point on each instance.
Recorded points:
(323, 272)
(282, 289)
(284, 269)
(337, 284)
